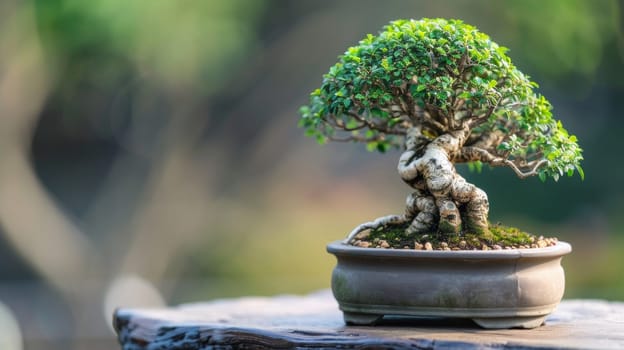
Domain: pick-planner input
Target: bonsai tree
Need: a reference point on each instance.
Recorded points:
(444, 93)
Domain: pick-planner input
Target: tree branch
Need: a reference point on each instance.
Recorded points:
(355, 138)
(375, 126)
(473, 123)
(524, 174)
(471, 154)
(340, 124)
(436, 116)
(429, 121)
(487, 140)
(335, 122)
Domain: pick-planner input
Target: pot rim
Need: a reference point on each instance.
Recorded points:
(340, 248)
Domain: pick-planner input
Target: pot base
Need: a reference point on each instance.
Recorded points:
(363, 319)
(368, 315)
(510, 322)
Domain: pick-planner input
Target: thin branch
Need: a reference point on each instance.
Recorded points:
(354, 138)
(515, 104)
(472, 123)
(404, 105)
(379, 127)
(333, 121)
(471, 154)
(536, 157)
(522, 174)
(429, 121)
(340, 124)
(487, 140)
(451, 72)
(459, 103)
(435, 113)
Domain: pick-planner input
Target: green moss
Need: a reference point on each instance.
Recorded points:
(497, 235)
(511, 235)
(446, 227)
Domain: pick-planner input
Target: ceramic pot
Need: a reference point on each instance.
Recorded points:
(495, 288)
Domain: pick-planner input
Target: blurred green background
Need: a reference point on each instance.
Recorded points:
(149, 152)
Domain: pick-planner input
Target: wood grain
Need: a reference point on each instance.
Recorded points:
(314, 322)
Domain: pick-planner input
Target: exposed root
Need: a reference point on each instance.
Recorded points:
(420, 210)
(423, 209)
(477, 206)
(378, 223)
(450, 218)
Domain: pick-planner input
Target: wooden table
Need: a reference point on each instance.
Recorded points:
(314, 321)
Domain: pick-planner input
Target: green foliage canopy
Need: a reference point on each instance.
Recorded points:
(443, 75)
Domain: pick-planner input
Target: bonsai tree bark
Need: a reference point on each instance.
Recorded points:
(446, 94)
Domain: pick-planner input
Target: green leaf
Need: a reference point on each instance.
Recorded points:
(504, 146)
(465, 94)
(321, 139)
(394, 121)
(382, 147)
(385, 64)
(304, 110)
(371, 146)
(376, 111)
(352, 123)
(580, 171)
(478, 166)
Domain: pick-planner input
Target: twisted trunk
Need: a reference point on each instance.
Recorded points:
(443, 201)
(427, 167)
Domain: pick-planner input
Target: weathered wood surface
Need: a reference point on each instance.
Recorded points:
(314, 321)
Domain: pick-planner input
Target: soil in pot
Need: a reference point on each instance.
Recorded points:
(504, 237)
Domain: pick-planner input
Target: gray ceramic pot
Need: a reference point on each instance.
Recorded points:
(495, 288)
